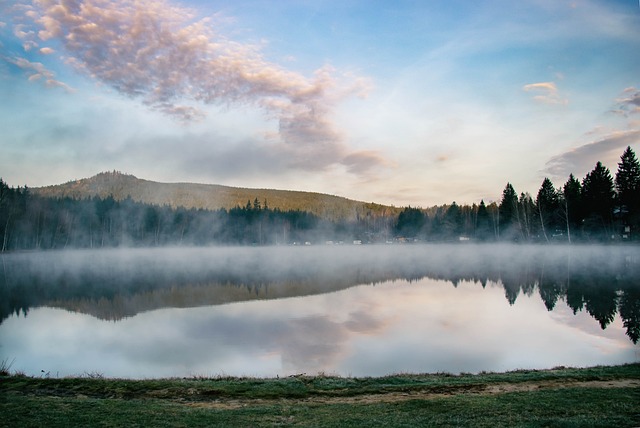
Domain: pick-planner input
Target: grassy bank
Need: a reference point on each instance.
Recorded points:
(600, 396)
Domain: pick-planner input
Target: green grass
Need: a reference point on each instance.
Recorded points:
(543, 398)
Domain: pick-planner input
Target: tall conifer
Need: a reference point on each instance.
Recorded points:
(547, 205)
(572, 201)
(598, 197)
(628, 189)
(508, 213)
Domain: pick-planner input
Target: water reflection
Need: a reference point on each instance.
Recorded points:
(362, 331)
(306, 310)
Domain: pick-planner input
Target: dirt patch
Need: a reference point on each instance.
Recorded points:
(391, 397)
(532, 386)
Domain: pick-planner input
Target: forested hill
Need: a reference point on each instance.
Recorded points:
(212, 197)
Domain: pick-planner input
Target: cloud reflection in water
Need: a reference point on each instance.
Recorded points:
(396, 326)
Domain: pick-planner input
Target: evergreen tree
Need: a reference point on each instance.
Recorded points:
(628, 189)
(508, 223)
(598, 198)
(484, 228)
(572, 209)
(410, 222)
(452, 222)
(7, 208)
(547, 206)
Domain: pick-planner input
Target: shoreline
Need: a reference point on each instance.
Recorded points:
(605, 395)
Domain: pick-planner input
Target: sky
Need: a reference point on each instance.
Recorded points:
(403, 102)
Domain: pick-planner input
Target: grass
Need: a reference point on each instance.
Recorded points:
(566, 397)
(5, 367)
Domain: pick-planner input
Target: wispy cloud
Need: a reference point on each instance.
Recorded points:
(360, 162)
(38, 72)
(175, 63)
(545, 92)
(628, 103)
(584, 157)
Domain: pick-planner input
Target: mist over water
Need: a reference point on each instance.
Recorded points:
(350, 310)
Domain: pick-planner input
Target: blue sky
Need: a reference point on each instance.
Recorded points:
(405, 102)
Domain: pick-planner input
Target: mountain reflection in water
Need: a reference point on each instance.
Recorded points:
(119, 284)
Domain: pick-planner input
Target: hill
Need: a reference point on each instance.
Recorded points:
(211, 196)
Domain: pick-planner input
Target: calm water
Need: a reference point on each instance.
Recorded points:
(347, 310)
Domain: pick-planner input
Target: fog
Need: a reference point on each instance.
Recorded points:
(78, 279)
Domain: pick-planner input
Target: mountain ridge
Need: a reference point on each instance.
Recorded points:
(121, 186)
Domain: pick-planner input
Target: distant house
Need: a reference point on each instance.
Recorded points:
(626, 232)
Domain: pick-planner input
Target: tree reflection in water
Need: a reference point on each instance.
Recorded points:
(113, 284)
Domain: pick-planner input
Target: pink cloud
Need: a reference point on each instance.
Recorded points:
(545, 92)
(173, 62)
(38, 72)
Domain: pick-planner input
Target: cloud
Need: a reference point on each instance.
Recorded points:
(176, 64)
(628, 103)
(220, 157)
(607, 147)
(37, 71)
(584, 157)
(306, 343)
(545, 92)
(360, 162)
(26, 35)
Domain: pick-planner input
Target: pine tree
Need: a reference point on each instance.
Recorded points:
(452, 221)
(410, 223)
(547, 205)
(484, 229)
(508, 214)
(598, 198)
(573, 212)
(628, 189)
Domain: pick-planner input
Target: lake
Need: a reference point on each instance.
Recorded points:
(344, 310)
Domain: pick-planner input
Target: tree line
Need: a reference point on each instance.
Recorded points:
(600, 208)
(29, 221)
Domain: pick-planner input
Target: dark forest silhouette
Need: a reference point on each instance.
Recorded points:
(35, 222)
(601, 208)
